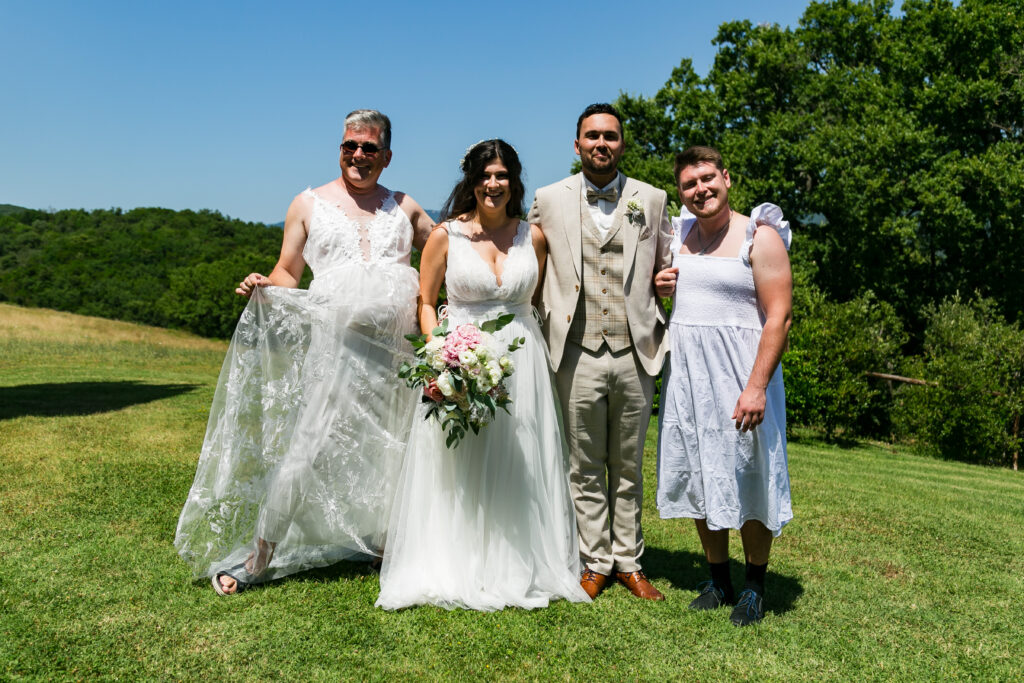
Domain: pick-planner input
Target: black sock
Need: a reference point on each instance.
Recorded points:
(755, 578)
(720, 577)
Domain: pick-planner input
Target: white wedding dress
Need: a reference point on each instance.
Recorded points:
(309, 422)
(490, 523)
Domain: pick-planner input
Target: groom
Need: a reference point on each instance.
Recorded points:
(608, 263)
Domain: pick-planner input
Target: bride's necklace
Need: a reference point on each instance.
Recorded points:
(704, 248)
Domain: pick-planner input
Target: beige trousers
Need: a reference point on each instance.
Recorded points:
(606, 406)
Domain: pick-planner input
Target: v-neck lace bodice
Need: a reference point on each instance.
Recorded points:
(472, 283)
(337, 239)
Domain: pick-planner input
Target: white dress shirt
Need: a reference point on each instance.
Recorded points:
(602, 211)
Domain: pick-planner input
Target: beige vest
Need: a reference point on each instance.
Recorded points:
(600, 311)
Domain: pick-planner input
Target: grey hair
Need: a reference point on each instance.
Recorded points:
(370, 118)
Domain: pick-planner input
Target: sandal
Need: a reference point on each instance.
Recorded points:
(253, 567)
(236, 573)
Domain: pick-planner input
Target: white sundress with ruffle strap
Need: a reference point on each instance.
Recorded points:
(707, 469)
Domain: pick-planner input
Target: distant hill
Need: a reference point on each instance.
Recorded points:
(161, 267)
(7, 209)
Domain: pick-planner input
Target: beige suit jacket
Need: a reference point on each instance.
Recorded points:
(646, 250)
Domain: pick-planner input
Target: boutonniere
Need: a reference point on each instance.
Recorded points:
(635, 213)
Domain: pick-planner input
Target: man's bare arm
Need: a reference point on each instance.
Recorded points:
(290, 263)
(773, 283)
(422, 223)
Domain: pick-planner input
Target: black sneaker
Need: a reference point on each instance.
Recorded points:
(749, 610)
(711, 597)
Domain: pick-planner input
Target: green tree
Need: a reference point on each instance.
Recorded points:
(833, 346)
(894, 143)
(201, 297)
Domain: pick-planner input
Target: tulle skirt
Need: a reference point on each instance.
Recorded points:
(490, 523)
(309, 426)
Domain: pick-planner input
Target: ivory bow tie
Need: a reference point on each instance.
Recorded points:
(611, 194)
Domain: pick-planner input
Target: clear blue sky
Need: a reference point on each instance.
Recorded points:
(238, 106)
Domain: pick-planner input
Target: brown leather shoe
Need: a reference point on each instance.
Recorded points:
(593, 583)
(638, 585)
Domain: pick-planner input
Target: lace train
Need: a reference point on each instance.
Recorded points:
(308, 426)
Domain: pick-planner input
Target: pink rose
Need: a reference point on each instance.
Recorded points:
(464, 337)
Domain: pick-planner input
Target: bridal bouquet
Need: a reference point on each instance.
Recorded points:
(469, 366)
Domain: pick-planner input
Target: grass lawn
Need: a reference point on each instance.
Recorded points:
(896, 566)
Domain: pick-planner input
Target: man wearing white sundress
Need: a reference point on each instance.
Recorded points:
(722, 440)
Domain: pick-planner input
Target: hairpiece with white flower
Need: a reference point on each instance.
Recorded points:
(462, 162)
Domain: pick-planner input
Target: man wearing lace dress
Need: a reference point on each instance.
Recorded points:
(608, 257)
(356, 235)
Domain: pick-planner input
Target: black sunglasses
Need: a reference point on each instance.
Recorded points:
(369, 148)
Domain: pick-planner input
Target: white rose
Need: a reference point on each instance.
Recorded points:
(494, 370)
(482, 382)
(468, 359)
(432, 353)
(444, 383)
(507, 365)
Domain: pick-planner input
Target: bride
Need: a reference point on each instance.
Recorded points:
(489, 523)
(309, 422)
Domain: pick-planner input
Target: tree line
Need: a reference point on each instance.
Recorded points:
(155, 266)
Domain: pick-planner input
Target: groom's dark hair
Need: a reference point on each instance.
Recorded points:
(597, 108)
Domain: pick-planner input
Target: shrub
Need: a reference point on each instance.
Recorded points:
(974, 360)
(832, 346)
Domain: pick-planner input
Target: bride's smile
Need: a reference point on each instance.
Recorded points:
(492, 191)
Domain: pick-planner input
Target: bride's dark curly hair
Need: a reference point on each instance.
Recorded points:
(462, 200)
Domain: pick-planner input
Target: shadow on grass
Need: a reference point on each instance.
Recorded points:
(81, 398)
(684, 570)
(338, 571)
